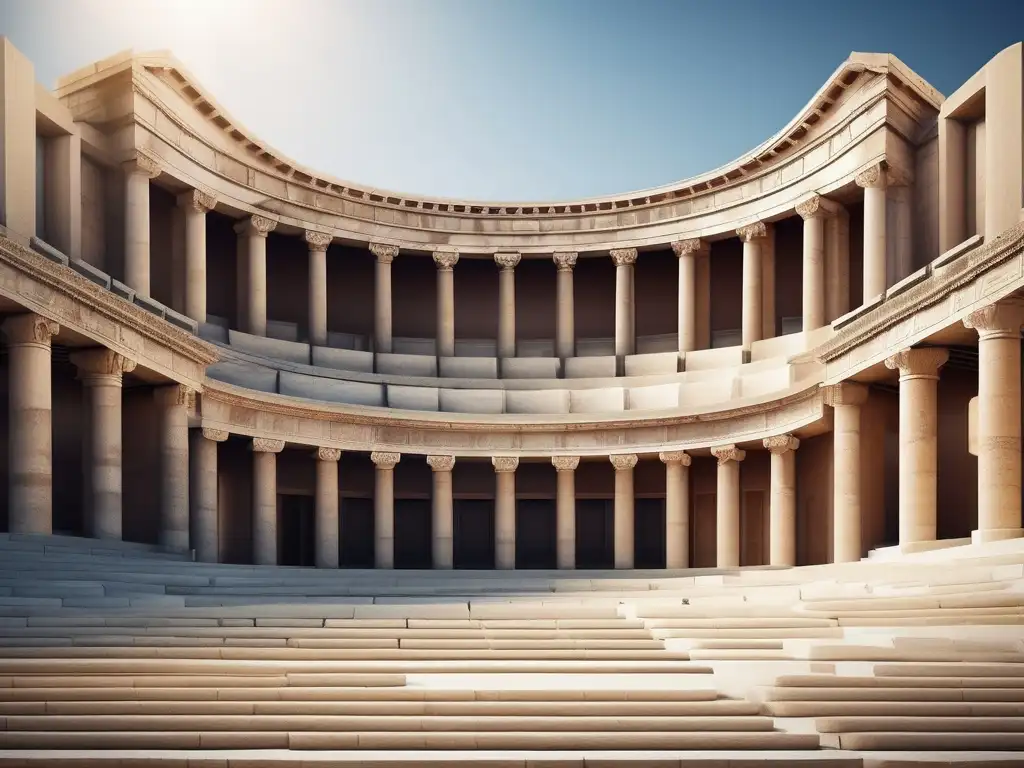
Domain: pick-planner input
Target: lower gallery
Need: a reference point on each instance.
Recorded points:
(723, 473)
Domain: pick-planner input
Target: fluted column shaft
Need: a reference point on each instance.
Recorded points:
(565, 323)
(752, 236)
(442, 508)
(625, 308)
(384, 508)
(318, 243)
(254, 230)
(687, 251)
(194, 205)
(505, 511)
(565, 510)
(782, 500)
(446, 261)
(172, 403)
(384, 255)
(623, 512)
(846, 400)
(204, 522)
(327, 507)
(728, 504)
(30, 423)
(138, 173)
(677, 509)
(873, 181)
(264, 500)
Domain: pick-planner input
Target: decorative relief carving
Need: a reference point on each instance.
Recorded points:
(623, 461)
(317, 241)
(441, 463)
(259, 226)
(672, 457)
(623, 257)
(564, 260)
(565, 463)
(996, 321)
(446, 259)
(688, 247)
(507, 260)
(752, 231)
(328, 454)
(143, 164)
(505, 463)
(385, 254)
(30, 329)
(846, 393)
(101, 363)
(918, 363)
(385, 459)
(781, 443)
(726, 453)
(267, 445)
(216, 435)
(873, 176)
(197, 200)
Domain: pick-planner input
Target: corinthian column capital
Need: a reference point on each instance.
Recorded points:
(781, 443)
(385, 459)
(507, 260)
(215, 435)
(328, 454)
(918, 363)
(726, 453)
(872, 176)
(99, 364)
(688, 247)
(623, 461)
(197, 201)
(29, 329)
(751, 232)
(446, 259)
(385, 254)
(317, 241)
(996, 321)
(505, 463)
(267, 445)
(815, 206)
(565, 463)
(441, 463)
(564, 260)
(623, 257)
(142, 163)
(259, 226)
(675, 457)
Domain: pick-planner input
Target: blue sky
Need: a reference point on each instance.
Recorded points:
(515, 99)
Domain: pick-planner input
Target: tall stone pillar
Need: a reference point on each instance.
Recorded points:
(565, 510)
(204, 523)
(998, 441)
(442, 509)
(623, 522)
(100, 371)
(29, 425)
(264, 500)
(565, 320)
(687, 251)
(814, 210)
(873, 181)
(782, 502)
(919, 421)
(728, 504)
(753, 322)
(317, 242)
(508, 262)
(194, 205)
(505, 511)
(138, 173)
(446, 261)
(327, 507)
(846, 400)
(172, 404)
(625, 308)
(384, 508)
(254, 231)
(384, 255)
(677, 508)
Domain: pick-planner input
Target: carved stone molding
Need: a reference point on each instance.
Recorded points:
(441, 463)
(507, 259)
(216, 435)
(175, 395)
(726, 453)
(317, 241)
(564, 260)
(446, 259)
(505, 463)
(565, 463)
(29, 329)
(815, 206)
(197, 200)
(255, 225)
(623, 257)
(752, 231)
(328, 454)
(872, 176)
(918, 363)
(781, 443)
(996, 321)
(143, 164)
(385, 254)
(267, 445)
(385, 459)
(846, 393)
(675, 457)
(688, 247)
(623, 461)
(101, 365)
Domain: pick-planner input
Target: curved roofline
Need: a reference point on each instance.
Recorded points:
(164, 64)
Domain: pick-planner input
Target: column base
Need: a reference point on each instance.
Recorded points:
(996, 534)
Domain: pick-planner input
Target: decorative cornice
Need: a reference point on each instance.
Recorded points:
(753, 231)
(267, 445)
(623, 257)
(564, 260)
(781, 443)
(29, 329)
(142, 163)
(871, 177)
(328, 454)
(216, 435)
(317, 241)
(623, 461)
(385, 254)
(197, 200)
(100, 364)
(815, 206)
(845, 393)
(385, 459)
(996, 321)
(565, 463)
(689, 247)
(446, 259)
(505, 463)
(726, 453)
(507, 259)
(918, 363)
(441, 463)
(675, 457)
(255, 225)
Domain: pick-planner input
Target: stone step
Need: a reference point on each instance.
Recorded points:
(750, 633)
(916, 724)
(950, 670)
(739, 623)
(898, 681)
(892, 708)
(894, 694)
(926, 740)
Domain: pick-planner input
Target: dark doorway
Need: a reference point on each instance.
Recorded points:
(296, 535)
(413, 535)
(357, 533)
(474, 534)
(649, 533)
(535, 534)
(595, 533)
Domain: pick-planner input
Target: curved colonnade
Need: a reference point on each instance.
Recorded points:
(851, 248)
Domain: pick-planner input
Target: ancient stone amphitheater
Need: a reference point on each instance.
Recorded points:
(721, 474)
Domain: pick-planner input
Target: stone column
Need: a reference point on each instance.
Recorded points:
(138, 173)
(327, 507)
(384, 255)
(205, 521)
(254, 231)
(677, 508)
(814, 210)
(728, 504)
(194, 205)
(623, 512)
(782, 502)
(446, 261)
(687, 251)
(507, 302)
(100, 371)
(317, 242)
(565, 510)
(29, 423)
(873, 181)
(565, 321)
(998, 442)
(625, 309)
(173, 404)
(753, 322)
(919, 396)
(384, 508)
(505, 511)
(264, 500)
(846, 400)
(442, 508)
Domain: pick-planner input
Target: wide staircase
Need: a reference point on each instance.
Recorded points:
(120, 653)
